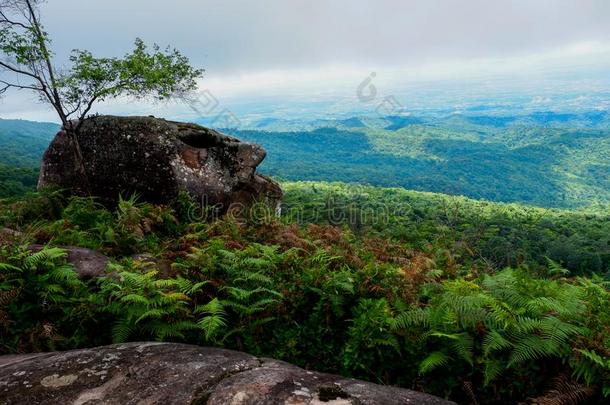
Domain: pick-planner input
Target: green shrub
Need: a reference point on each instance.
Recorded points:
(43, 305)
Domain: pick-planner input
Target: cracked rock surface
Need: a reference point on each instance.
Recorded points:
(168, 374)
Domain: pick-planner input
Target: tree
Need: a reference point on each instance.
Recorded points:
(26, 63)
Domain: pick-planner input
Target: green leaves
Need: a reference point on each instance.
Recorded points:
(160, 73)
(144, 73)
(153, 73)
(147, 307)
(370, 337)
(339, 303)
(20, 45)
(592, 368)
(504, 323)
(152, 307)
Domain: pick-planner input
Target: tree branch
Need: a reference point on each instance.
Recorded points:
(87, 109)
(8, 85)
(17, 70)
(96, 96)
(39, 78)
(5, 19)
(45, 53)
(77, 108)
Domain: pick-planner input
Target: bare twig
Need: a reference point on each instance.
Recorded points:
(7, 20)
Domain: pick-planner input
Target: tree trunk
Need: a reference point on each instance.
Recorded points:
(84, 188)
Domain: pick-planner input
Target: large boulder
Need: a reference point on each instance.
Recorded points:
(171, 374)
(156, 159)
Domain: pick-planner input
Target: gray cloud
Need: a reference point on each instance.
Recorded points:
(239, 36)
(293, 43)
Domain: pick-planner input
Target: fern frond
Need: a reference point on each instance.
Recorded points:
(413, 317)
(564, 392)
(555, 269)
(492, 369)
(494, 341)
(212, 323)
(173, 297)
(64, 274)
(188, 287)
(151, 313)
(254, 276)
(47, 254)
(463, 347)
(164, 331)
(433, 361)
(121, 331)
(135, 299)
(532, 347)
(558, 331)
(5, 268)
(256, 262)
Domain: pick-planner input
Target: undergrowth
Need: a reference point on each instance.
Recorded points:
(329, 298)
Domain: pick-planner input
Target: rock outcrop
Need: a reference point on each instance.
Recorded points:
(9, 233)
(87, 263)
(168, 374)
(156, 159)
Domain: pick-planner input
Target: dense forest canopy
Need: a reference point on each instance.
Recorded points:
(548, 160)
(22, 144)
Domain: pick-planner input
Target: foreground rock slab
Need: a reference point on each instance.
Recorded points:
(167, 373)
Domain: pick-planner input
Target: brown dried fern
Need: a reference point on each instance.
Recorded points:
(7, 296)
(564, 391)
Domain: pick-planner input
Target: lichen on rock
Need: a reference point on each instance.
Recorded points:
(178, 374)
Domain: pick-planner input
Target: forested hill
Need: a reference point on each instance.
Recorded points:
(543, 158)
(22, 144)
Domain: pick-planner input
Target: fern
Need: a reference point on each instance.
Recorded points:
(215, 321)
(564, 391)
(591, 367)
(555, 269)
(44, 256)
(411, 318)
(433, 361)
(147, 307)
(493, 368)
(523, 320)
(122, 330)
(152, 313)
(40, 294)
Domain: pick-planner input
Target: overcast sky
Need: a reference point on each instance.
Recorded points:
(248, 45)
